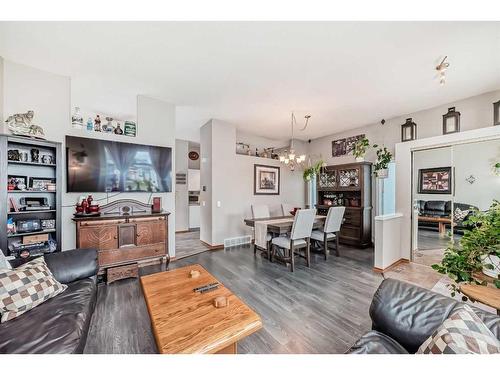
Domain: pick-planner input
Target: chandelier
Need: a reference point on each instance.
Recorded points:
(441, 69)
(288, 157)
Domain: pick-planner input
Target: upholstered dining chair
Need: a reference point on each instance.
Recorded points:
(330, 230)
(286, 208)
(261, 211)
(298, 239)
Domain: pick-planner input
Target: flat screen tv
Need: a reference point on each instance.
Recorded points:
(95, 165)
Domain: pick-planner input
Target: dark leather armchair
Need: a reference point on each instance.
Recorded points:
(404, 316)
(61, 324)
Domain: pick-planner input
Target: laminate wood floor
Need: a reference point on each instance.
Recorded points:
(188, 244)
(322, 309)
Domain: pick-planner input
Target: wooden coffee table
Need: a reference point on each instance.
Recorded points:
(442, 221)
(185, 321)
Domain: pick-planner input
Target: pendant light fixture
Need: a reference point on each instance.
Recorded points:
(289, 158)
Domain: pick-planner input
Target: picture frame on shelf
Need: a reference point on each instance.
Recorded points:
(17, 183)
(41, 184)
(435, 180)
(496, 113)
(266, 180)
(451, 121)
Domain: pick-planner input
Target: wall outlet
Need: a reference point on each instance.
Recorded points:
(218, 204)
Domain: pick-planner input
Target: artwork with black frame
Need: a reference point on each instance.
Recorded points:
(408, 131)
(266, 180)
(434, 180)
(451, 121)
(496, 113)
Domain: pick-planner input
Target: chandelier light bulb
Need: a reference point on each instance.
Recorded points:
(287, 161)
(282, 158)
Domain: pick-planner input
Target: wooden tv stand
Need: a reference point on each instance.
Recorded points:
(126, 234)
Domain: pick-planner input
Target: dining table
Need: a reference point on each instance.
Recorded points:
(282, 225)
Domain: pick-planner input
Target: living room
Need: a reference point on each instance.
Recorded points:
(250, 188)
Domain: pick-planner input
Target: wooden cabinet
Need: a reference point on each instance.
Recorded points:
(348, 185)
(124, 239)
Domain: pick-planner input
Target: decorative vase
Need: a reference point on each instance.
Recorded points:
(77, 119)
(359, 159)
(495, 261)
(383, 173)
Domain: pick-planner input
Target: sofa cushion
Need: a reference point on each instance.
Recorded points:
(461, 333)
(26, 287)
(71, 265)
(59, 325)
(435, 206)
(375, 342)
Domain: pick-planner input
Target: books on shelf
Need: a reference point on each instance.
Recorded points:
(13, 205)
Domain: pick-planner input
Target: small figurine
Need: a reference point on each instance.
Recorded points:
(35, 155)
(97, 124)
(90, 125)
(108, 128)
(20, 124)
(118, 130)
(77, 119)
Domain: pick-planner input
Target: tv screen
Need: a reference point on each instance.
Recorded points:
(95, 165)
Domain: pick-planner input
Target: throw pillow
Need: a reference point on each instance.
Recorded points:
(462, 333)
(459, 215)
(26, 287)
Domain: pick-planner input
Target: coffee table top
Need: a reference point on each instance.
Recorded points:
(435, 219)
(184, 321)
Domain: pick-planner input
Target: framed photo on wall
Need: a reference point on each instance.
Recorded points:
(266, 180)
(434, 180)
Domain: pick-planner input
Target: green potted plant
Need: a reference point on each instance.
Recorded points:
(496, 169)
(313, 170)
(384, 157)
(477, 251)
(360, 148)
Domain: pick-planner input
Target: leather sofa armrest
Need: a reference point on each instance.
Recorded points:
(407, 313)
(72, 265)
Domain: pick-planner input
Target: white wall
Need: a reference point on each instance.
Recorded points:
(181, 191)
(206, 183)
(49, 95)
(232, 178)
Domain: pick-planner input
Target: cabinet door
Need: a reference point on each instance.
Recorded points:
(102, 237)
(151, 232)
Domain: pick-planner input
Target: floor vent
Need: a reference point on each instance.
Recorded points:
(236, 241)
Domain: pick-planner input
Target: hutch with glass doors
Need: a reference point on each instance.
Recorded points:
(30, 196)
(348, 185)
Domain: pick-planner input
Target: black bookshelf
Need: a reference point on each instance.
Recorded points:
(29, 168)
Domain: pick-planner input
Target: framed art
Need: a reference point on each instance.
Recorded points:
(434, 180)
(339, 147)
(266, 180)
(451, 121)
(496, 113)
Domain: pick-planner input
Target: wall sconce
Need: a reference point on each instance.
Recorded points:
(451, 121)
(408, 131)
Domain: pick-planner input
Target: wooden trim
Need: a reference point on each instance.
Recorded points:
(212, 247)
(396, 263)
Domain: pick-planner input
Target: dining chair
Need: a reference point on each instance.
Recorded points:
(299, 237)
(261, 211)
(330, 230)
(286, 208)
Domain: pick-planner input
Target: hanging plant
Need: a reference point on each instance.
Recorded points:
(360, 147)
(384, 157)
(313, 170)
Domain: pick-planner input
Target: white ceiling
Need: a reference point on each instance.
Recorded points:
(345, 74)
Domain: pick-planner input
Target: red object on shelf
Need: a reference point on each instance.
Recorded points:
(156, 207)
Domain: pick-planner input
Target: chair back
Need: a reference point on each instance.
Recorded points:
(260, 211)
(303, 224)
(333, 219)
(286, 208)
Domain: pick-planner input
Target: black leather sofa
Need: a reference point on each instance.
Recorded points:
(404, 316)
(441, 209)
(61, 324)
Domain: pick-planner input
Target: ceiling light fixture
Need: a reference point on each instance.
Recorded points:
(441, 68)
(288, 157)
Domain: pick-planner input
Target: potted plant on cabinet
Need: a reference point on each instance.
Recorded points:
(313, 170)
(360, 148)
(477, 251)
(384, 157)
